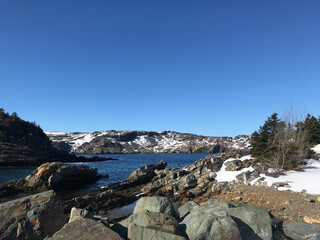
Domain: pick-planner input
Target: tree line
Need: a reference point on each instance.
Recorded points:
(284, 143)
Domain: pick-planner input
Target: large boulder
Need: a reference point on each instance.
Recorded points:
(254, 222)
(85, 229)
(32, 217)
(156, 204)
(153, 225)
(210, 223)
(60, 176)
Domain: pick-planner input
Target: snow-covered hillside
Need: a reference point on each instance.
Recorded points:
(144, 142)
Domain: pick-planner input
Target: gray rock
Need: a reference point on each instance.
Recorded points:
(301, 231)
(213, 203)
(234, 165)
(155, 220)
(85, 229)
(78, 212)
(246, 177)
(186, 208)
(156, 204)
(146, 173)
(254, 222)
(210, 223)
(153, 225)
(141, 233)
(32, 217)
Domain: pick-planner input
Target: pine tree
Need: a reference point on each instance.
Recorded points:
(261, 141)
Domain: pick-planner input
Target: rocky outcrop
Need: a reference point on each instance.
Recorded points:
(145, 142)
(192, 180)
(56, 176)
(146, 173)
(85, 229)
(33, 217)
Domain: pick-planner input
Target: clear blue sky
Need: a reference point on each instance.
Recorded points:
(206, 67)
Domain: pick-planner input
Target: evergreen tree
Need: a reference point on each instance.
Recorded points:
(261, 141)
(312, 126)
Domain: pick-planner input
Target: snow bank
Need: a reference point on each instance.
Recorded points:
(308, 180)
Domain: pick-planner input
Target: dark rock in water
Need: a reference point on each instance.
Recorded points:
(32, 217)
(153, 225)
(234, 165)
(301, 231)
(56, 176)
(85, 229)
(100, 202)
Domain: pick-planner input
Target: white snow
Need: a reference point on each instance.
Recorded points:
(223, 175)
(307, 180)
(316, 148)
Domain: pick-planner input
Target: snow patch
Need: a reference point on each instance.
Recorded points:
(307, 180)
(316, 148)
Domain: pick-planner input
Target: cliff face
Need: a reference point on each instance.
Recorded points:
(144, 142)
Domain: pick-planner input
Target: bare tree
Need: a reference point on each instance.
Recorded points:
(290, 144)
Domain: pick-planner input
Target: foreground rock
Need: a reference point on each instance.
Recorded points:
(33, 217)
(156, 204)
(153, 225)
(56, 176)
(299, 230)
(85, 229)
(154, 217)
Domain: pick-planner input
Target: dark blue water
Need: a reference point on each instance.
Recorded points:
(117, 170)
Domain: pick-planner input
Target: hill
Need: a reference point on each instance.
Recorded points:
(112, 141)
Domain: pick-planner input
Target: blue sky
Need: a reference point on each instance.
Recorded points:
(215, 68)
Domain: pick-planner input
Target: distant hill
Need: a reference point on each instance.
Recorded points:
(144, 142)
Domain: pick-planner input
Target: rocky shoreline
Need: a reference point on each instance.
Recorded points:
(193, 204)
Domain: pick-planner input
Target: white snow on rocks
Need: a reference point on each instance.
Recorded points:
(223, 175)
(308, 180)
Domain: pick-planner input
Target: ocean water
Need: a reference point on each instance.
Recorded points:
(117, 170)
